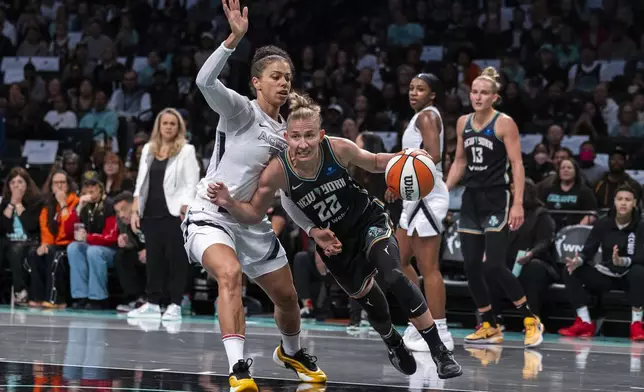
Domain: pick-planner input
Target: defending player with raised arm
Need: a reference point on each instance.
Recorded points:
(487, 145)
(312, 172)
(249, 133)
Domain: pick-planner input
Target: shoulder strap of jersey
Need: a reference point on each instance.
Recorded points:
(494, 119)
(468, 122)
(288, 171)
(329, 154)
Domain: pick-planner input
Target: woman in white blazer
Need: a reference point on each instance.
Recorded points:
(165, 186)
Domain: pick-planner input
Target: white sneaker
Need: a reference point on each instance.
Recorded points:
(413, 340)
(172, 313)
(146, 311)
(172, 327)
(446, 337)
(125, 308)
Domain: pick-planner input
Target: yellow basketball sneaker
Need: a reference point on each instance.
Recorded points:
(486, 334)
(301, 363)
(533, 331)
(240, 379)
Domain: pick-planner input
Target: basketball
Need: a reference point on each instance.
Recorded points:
(410, 175)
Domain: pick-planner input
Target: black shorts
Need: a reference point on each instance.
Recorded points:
(352, 268)
(484, 209)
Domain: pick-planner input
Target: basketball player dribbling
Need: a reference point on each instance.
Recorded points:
(357, 241)
(421, 222)
(487, 145)
(248, 134)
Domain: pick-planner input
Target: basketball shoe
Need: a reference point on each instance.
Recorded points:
(240, 379)
(485, 334)
(533, 331)
(303, 364)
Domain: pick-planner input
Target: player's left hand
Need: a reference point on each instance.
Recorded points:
(327, 241)
(219, 195)
(516, 217)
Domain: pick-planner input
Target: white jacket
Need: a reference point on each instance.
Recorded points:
(179, 183)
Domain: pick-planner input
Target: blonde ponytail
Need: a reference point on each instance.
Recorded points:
(302, 107)
(492, 75)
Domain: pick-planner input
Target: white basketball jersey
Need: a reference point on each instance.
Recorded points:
(243, 149)
(412, 138)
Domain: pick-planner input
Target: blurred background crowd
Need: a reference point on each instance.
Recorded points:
(92, 77)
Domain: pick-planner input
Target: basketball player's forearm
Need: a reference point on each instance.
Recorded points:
(518, 178)
(455, 174)
(213, 66)
(297, 215)
(244, 212)
(380, 162)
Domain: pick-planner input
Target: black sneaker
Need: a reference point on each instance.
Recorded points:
(446, 366)
(400, 356)
(80, 304)
(240, 379)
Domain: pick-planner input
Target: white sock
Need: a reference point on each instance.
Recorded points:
(637, 314)
(583, 314)
(441, 323)
(234, 345)
(291, 343)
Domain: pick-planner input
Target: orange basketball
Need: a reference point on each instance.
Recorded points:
(410, 175)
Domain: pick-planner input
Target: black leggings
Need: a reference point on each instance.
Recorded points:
(494, 244)
(536, 276)
(386, 257)
(16, 252)
(587, 280)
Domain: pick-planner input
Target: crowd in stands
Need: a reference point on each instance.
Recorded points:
(573, 80)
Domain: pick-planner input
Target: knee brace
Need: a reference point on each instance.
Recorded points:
(408, 295)
(377, 308)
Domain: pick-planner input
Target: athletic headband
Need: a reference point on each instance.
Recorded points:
(432, 81)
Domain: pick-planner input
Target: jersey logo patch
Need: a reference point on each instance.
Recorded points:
(297, 186)
(494, 221)
(330, 170)
(376, 231)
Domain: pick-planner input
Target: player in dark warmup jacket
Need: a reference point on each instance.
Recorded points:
(487, 145)
(354, 234)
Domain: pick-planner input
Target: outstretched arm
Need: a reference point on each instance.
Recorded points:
(350, 154)
(253, 211)
(226, 102)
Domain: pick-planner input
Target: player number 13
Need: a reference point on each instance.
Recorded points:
(327, 208)
(477, 154)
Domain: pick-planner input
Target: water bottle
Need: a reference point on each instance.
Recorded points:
(186, 306)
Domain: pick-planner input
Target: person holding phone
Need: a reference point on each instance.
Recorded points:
(619, 235)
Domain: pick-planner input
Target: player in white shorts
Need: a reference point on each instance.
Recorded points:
(421, 222)
(249, 133)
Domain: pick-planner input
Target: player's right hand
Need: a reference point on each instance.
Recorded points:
(237, 18)
(327, 241)
(390, 197)
(219, 195)
(573, 263)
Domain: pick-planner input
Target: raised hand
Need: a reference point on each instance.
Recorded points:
(237, 18)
